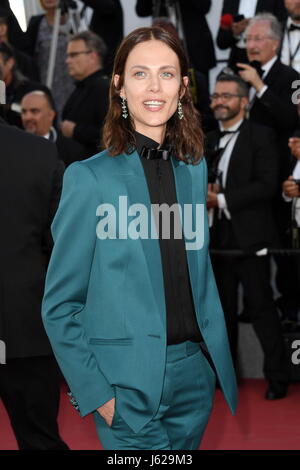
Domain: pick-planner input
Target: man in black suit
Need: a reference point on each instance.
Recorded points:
(290, 46)
(196, 31)
(243, 164)
(86, 108)
(234, 21)
(30, 175)
(271, 82)
(272, 104)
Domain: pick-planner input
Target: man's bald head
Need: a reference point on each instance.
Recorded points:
(37, 113)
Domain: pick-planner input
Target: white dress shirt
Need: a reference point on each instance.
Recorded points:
(290, 46)
(247, 8)
(296, 200)
(228, 142)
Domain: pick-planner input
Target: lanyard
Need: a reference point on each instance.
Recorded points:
(219, 152)
(292, 56)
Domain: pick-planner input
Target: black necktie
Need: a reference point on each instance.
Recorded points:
(154, 154)
(294, 27)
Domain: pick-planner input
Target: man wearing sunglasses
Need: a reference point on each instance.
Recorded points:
(86, 108)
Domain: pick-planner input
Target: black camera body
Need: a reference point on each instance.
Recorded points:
(66, 4)
(238, 18)
(297, 183)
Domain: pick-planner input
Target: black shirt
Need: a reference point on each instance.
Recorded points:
(87, 107)
(181, 318)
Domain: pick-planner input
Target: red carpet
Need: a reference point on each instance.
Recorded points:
(258, 424)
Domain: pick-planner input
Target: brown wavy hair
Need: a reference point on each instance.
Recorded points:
(185, 135)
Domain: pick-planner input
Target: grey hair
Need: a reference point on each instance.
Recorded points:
(92, 42)
(275, 30)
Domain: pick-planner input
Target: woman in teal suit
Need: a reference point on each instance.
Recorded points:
(131, 306)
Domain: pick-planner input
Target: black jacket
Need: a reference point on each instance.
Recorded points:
(225, 38)
(197, 33)
(251, 185)
(16, 37)
(107, 22)
(87, 107)
(30, 175)
(276, 108)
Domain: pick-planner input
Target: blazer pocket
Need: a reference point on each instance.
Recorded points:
(111, 341)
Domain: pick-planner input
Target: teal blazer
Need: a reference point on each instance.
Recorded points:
(104, 304)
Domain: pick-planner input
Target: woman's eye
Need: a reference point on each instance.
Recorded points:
(139, 74)
(167, 74)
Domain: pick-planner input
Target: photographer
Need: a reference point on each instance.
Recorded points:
(234, 20)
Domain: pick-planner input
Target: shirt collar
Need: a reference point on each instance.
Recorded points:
(89, 78)
(232, 128)
(290, 21)
(144, 141)
(268, 65)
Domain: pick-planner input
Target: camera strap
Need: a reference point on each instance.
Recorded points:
(292, 55)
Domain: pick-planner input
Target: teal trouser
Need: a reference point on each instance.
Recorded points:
(183, 412)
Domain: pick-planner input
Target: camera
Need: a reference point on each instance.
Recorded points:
(237, 18)
(297, 183)
(66, 4)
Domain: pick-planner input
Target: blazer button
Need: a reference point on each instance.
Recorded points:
(205, 323)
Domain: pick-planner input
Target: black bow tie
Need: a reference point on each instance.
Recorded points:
(222, 133)
(293, 27)
(154, 154)
(257, 66)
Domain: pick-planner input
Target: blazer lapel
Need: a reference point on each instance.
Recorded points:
(137, 190)
(269, 79)
(238, 152)
(183, 184)
(272, 75)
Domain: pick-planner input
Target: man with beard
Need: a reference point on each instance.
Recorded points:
(243, 165)
(290, 50)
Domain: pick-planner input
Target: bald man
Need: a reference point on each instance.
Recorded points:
(38, 117)
(38, 114)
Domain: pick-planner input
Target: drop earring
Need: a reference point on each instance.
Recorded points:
(124, 108)
(179, 110)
